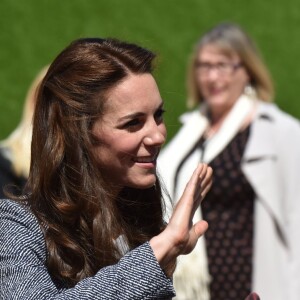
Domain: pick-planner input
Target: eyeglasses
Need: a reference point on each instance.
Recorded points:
(224, 69)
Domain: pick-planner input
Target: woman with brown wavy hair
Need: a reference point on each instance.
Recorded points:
(90, 225)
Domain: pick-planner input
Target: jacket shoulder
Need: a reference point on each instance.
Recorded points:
(17, 221)
(276, 114)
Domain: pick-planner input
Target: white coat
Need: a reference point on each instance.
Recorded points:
(271, 163)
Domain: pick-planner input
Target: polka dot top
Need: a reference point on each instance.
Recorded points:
(228, 208)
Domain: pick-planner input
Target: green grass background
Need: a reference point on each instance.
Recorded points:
(33, 32)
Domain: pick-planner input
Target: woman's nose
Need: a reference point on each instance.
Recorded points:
(156, 135)
(213, 74)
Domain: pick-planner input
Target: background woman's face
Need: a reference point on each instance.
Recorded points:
(131, 132)
(222, 78)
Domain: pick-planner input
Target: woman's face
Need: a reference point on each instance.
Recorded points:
(131, 132)
(221, 78)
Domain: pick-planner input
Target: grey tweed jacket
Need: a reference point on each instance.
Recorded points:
(23, 274)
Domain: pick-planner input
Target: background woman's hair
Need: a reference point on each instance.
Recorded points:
(231, 39)
(17, 144)
(66, 191)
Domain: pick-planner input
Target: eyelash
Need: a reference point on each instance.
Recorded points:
(136, 122)
(159, 113)
(132, 123)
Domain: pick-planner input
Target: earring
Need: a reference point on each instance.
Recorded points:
(250, 91)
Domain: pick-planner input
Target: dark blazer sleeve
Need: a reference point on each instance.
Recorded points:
(23, 274)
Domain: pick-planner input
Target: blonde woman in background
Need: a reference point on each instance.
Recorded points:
(253, 207)
(15, 149)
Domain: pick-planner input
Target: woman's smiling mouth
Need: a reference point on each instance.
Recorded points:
(144, 159)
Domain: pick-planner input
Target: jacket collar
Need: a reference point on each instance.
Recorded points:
(262, 125)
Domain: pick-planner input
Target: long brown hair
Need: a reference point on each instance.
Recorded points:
(231, 38)
(65, 189)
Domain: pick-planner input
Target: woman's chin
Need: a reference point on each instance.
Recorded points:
(144, 184)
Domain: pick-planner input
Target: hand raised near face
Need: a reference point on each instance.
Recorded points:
(181, 235)
(181, 231)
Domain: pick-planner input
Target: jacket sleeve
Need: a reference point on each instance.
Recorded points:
(290, 146)
(23, 274)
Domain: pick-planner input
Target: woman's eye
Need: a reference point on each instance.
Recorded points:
(159, 114)
(132, 124)
(222, 66)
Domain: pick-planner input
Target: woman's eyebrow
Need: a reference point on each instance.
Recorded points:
(131, 116)
(137, 114)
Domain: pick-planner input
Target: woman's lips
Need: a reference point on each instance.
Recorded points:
(149, 159)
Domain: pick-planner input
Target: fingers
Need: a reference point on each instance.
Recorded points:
(203, 171)
(180, 231)
(252, 296)
(197, 177)
(205, 178)
(207, 182)
(195, 232)
(193, 186)
(200, 228)
(185, 207)
(195, 190)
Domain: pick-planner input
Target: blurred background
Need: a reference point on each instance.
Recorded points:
(33, 32)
